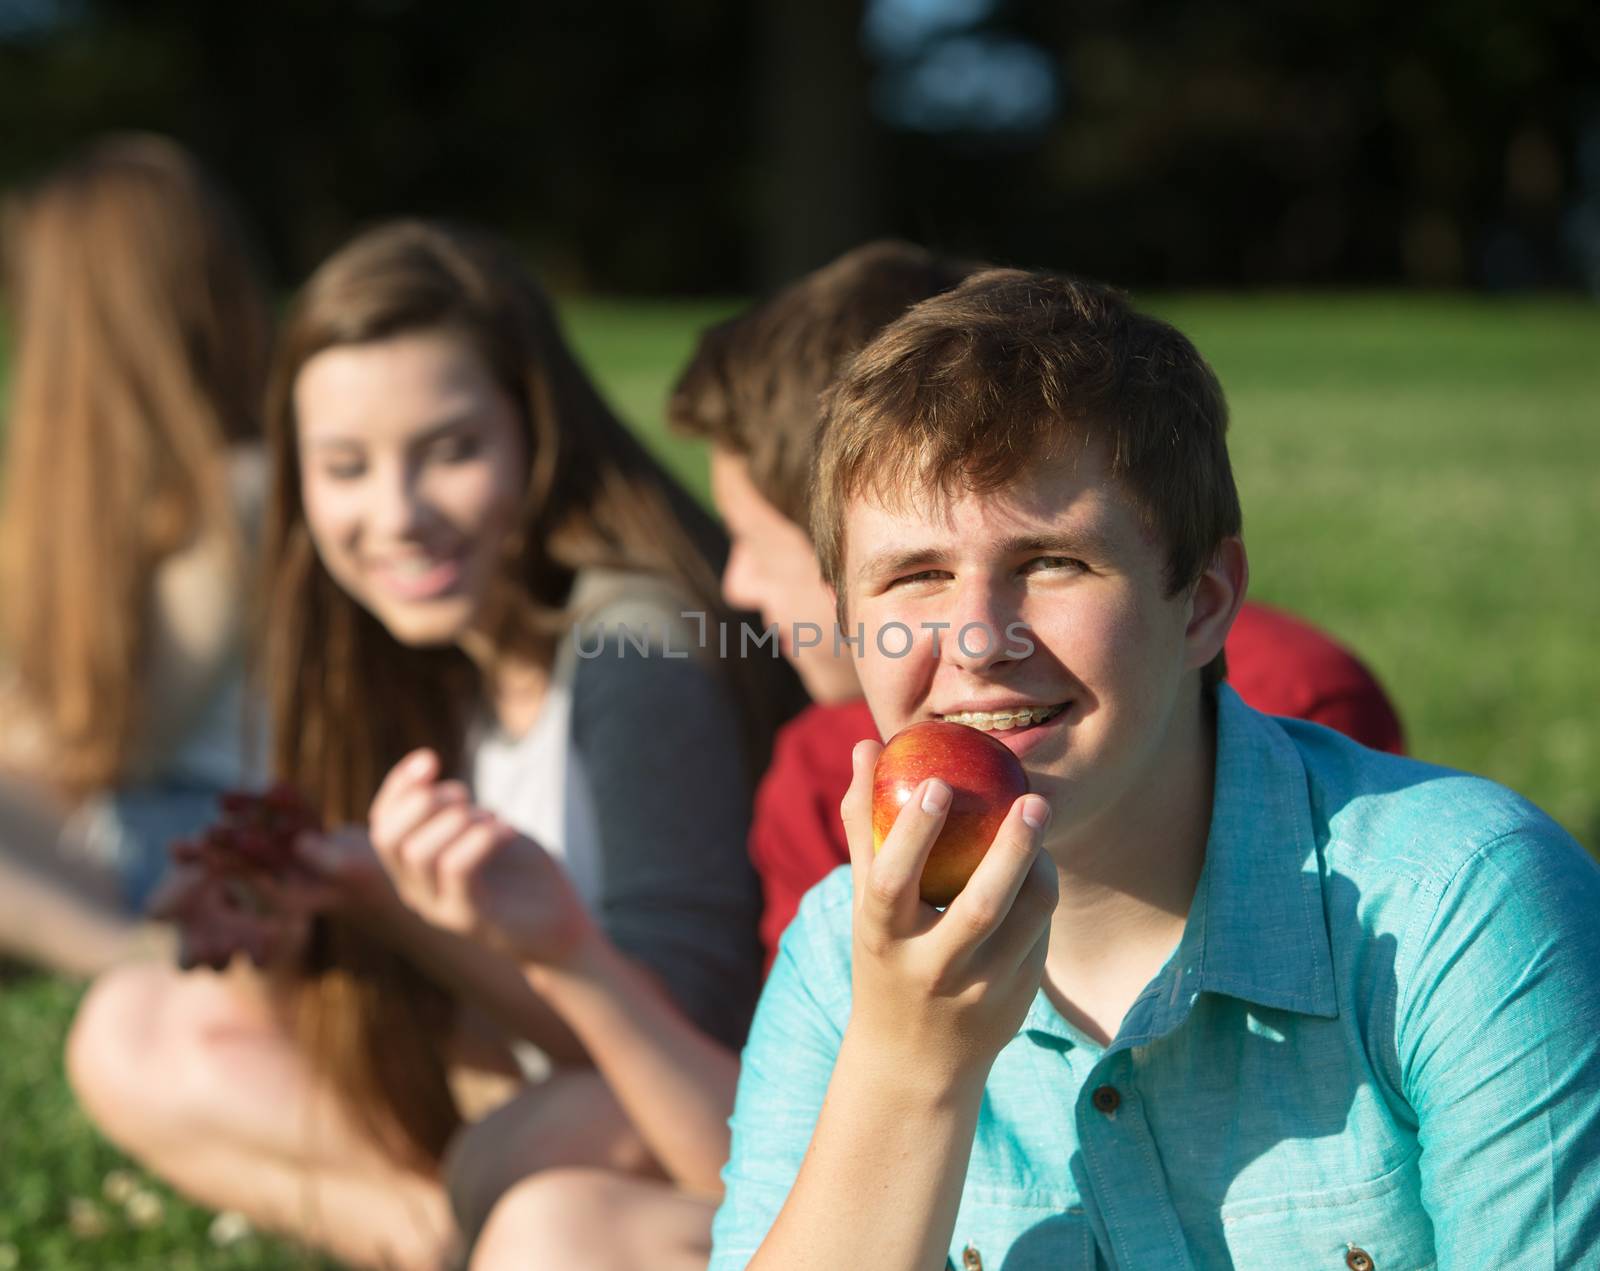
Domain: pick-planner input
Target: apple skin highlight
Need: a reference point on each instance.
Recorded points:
(985, 779)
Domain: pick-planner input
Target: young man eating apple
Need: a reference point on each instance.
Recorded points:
(752, 388)
(1226, 990)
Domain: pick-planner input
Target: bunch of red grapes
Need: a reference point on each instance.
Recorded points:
(227, 892)
(254, 836)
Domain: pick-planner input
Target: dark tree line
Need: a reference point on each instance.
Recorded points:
(705, 145)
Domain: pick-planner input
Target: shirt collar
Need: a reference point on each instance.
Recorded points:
(1256, 927)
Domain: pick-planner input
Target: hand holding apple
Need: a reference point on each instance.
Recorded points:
(936, 993)
(464, 870)
(984, 777)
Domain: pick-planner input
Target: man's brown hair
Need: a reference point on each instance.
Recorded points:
(970, 389)
(754, 382)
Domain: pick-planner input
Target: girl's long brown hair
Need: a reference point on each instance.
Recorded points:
(140, 348)
(348, 699)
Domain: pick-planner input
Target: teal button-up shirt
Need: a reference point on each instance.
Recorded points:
(1379, 1036)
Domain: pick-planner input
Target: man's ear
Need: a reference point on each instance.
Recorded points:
(1214, 600)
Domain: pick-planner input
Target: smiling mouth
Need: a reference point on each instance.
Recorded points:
(418, 578)
(1017, 717)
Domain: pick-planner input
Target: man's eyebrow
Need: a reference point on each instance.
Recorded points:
(1071, 541)
(899, 560)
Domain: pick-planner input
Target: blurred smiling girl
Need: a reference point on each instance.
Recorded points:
(454, 506)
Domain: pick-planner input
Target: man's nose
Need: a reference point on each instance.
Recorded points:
(980, 620)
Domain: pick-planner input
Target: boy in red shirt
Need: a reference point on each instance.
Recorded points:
(752, 388)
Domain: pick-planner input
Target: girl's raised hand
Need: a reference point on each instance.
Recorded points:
(944, 991)
(462, 869)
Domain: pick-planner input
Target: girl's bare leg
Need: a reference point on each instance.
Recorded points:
(594, 1220)
(193, 1075)
(570, 1119)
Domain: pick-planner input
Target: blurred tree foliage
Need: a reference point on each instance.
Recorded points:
(705, 145)
(611, 139)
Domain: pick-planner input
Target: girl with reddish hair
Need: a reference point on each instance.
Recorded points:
(132, 483)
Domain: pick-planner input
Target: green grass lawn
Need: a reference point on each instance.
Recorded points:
(1420, 476)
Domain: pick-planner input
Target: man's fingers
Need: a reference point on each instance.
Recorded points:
(984, 904)
(856, 810)
(1014, 945)
(892, 894)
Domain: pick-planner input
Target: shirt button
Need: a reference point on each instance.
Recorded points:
(1358, 1260)
(1106, 1099)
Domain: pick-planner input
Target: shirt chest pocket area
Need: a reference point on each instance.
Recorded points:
(1374, 1226)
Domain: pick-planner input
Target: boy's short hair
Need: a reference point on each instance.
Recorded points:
(754, 382)
(969, 389)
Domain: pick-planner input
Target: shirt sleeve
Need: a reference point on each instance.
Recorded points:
(1498, 1033)
(662, 746)
(784, 1074)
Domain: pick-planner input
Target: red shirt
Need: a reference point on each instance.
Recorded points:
(1279, 665)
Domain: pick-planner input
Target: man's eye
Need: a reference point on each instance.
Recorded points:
(343, 471)
(1039, 563)
(922, 575)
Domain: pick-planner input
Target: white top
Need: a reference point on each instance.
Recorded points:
(537, 784)
(633, 774)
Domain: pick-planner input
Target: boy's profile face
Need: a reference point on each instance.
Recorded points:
(1062, 551)
(773, 570)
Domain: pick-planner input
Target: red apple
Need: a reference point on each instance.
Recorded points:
(984, 777)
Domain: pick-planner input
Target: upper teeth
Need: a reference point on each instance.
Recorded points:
(1016, 717)
(415, 566)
